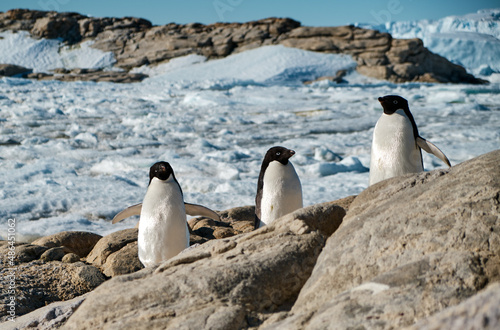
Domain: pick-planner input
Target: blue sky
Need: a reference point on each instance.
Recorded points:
(310, 12)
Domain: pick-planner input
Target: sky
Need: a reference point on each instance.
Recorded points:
(310, 12)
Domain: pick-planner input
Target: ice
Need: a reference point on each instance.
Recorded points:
(472, 40)
(74, 154)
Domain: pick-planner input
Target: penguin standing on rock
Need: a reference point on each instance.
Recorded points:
(279, 191)
(396, 147)
(163, 231)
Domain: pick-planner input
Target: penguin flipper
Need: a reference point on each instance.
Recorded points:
(199, 210)
(431, 148)
(128, 212)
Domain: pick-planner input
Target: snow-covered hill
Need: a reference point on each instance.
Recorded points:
(472, 40)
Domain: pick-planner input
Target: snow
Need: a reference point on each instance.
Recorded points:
(264, 65)
(44, 55)
(472, 40)
(73, 154)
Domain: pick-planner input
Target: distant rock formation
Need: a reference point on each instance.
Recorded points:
(136, 42)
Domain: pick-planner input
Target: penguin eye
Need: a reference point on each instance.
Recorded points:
(395, 102)
(278, 153)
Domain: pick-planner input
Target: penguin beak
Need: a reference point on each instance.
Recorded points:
(162, 169)
(383, 103)
(291, 153)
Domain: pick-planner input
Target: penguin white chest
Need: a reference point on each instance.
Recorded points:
(163, 231)
(394, 149)
(282, 192)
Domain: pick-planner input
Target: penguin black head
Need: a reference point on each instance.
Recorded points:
(391, 103)
(161, 170)
(279, 154)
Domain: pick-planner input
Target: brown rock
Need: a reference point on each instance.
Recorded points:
(22, 252)
(110, 244)
(53, 254)
(78, 242)
(63, 26)
(124, 261)
(38, 283)
(10, 70)
(70, 258)
(482, 311)
(49, 317)
(407, 248)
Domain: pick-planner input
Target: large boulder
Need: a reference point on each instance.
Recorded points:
(116, 253)
(227, 283)
(77, 242)
(408, 247)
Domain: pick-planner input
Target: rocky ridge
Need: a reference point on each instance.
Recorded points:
(136, 42)
(420, 251)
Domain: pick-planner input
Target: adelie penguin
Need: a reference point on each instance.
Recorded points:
(163, 231)
(279, 191)
(396, 147)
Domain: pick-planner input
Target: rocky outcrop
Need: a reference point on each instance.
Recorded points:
(407, 248)
(136, 42)
(418, 251)
(379, 55)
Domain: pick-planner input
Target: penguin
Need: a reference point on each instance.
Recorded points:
(396, 146)
(163, 231)
(279, 191)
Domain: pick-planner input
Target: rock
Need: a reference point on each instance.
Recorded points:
(110, 244)
(234, 221)
(70, 258)
(135, 42)
(123, 261)
(38, 283)
(408, 247)
(11, 70)
(40, 76)
(95, 75)
(49, 317)
(29, 252)
(53, 254)
(78, 242)
(58, 25)
(23, 252)
(226, 284)
(482, 311)
(338, 78)
(98, 75)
